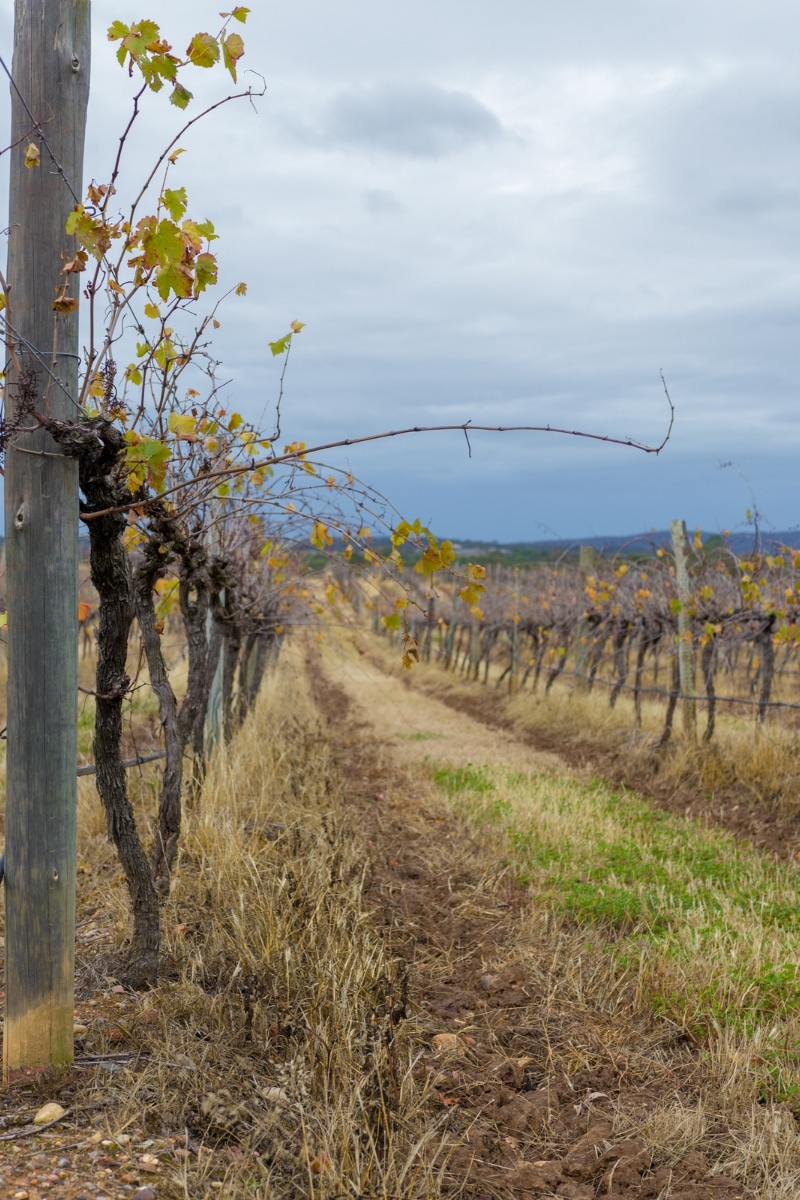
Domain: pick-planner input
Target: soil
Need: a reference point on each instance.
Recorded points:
(511, 1127)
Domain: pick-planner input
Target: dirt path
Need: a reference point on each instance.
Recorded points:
(541, 1078)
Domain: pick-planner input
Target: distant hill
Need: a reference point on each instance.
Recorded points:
(740, 542)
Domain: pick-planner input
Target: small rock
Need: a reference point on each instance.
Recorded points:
(144, 1193)
(183, 1060)
(47, 1113)
(447, 1043)
(80, 1030)
(149, 1162)
(63, 1162)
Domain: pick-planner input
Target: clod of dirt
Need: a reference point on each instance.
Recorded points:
(582, 1160)
(447, 1043)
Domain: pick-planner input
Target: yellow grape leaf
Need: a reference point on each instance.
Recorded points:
(97, 387)
(33, 155)
(471, 593)
(232, 51)
(240, 289)
(296, 326)
(320, 536)
(203, 50)
(75, 265)
(65, 304)
(410, 651)
(181, 424)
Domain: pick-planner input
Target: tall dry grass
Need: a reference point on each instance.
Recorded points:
(278, 1039)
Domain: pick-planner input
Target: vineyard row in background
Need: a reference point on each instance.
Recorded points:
(686, 625)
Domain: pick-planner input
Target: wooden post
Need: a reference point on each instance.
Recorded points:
(49, 97)
(686, 661)
(513, 676)
(474, 647)
(586, 560)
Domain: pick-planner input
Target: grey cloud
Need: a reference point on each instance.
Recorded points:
(765, 201)
(380, 201)
(415, 120)
(743, 129)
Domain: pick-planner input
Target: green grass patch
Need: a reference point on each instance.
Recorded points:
(422, 737)
(457, 781)
(709, 927)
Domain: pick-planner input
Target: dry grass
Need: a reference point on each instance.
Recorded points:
(760, 761)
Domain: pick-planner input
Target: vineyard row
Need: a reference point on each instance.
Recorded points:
(626, 626)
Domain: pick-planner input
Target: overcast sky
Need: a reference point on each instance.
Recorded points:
(509, 212)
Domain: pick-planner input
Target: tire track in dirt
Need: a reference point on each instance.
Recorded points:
(540, 1082)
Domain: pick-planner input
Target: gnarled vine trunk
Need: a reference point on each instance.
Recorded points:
(98, 445)
(149, 570)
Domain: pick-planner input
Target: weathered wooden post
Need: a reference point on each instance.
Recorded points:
(49, 97)
(586, 560)
(513, 676)
(686, 661)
